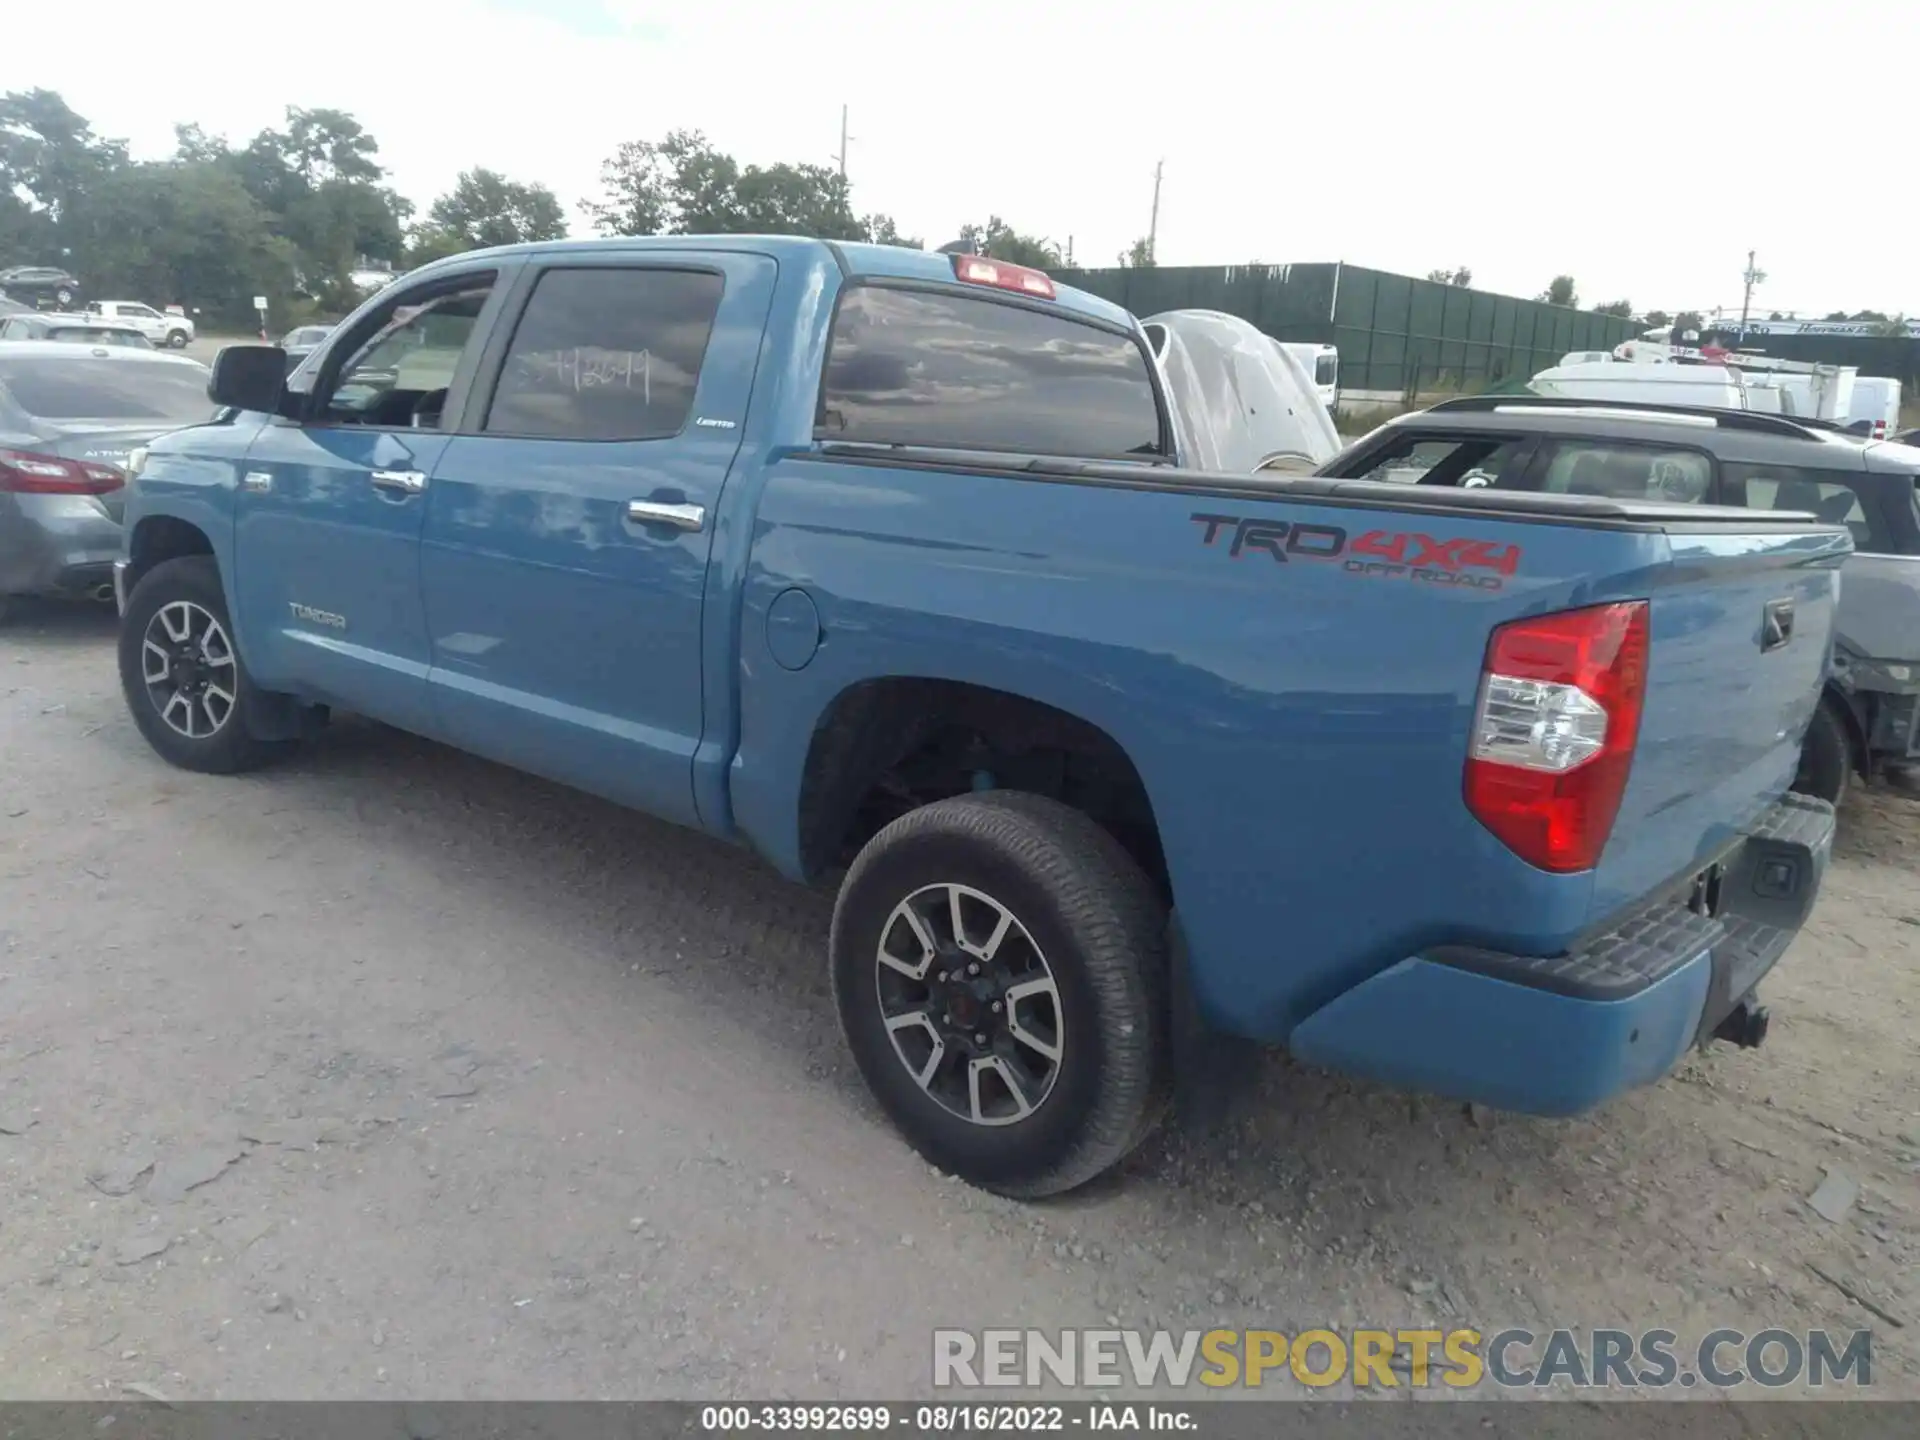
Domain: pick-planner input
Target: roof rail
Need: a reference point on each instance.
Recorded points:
(1758, 420)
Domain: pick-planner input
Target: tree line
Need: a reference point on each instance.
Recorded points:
(294, 211)
(1562, 290)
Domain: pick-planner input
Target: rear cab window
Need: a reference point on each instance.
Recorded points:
(928, 368)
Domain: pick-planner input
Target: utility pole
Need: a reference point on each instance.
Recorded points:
(842, 156)
(1753, 277)
(1153, 225)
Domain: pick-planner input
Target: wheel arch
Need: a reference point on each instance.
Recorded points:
(161, 537)
(1848, 707)
(907, 741)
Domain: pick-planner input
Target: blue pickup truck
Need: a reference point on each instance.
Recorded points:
(885, 564)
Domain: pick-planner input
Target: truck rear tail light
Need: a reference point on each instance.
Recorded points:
(1555, 729)
(22, 472)
(978, 270)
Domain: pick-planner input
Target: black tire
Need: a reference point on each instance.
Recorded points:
(1826, 756)
(178, 339)
(63, 297)
(228, 748)
(1099, 924)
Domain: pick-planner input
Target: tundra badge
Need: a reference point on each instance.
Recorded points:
(317, 617)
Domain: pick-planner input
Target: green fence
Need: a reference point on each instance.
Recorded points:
(1395, 334)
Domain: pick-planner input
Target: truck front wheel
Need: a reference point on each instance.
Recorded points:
(999, 965)
(1826, 756)
(181, 673)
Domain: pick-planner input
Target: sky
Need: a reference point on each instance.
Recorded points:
(1642, 146)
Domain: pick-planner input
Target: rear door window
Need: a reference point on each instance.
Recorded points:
(1825, 494)
(1471, 463)
(916, 367)
(1627, 472)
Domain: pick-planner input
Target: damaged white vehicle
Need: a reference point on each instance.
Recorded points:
(1241, 401)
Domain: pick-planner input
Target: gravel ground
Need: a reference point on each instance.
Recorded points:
(393, 1073)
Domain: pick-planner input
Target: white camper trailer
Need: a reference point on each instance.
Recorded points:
(1650, 372)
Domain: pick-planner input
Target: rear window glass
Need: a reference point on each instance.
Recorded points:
(1821, 493)
(1629, 472)
(908, 367)
(132, 390)
(88, 335)
(1326, 369)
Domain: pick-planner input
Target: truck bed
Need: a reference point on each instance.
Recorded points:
(1292, 718)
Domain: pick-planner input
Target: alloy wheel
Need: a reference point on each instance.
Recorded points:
(187, 664)
(970, 1004)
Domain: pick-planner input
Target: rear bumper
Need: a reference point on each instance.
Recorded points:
(1560, 1034)
(55, 545)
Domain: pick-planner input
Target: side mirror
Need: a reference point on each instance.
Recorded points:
(249, 377)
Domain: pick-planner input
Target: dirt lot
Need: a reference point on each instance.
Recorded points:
(457, 1084)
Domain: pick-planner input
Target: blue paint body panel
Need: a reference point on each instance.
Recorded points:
(1300, 726)
(1433, 1028)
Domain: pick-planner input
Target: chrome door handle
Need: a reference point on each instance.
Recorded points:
(681, 517)
(407, 482)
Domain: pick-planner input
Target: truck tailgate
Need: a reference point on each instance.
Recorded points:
(1741, 622)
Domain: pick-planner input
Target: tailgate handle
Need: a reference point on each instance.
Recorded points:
(1776, 625)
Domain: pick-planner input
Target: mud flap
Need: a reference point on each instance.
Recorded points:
(272, 716)
(1211, 1070)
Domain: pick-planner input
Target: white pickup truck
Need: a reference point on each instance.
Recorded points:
(161, 329)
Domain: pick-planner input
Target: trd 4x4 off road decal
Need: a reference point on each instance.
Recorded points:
(1388, 554)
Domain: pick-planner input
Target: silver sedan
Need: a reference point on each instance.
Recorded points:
(70, 418)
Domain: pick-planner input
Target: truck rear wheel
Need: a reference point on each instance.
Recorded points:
(182, 675)
(1826, 757)
(999, 965)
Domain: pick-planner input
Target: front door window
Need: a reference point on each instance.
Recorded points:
(399, 377)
